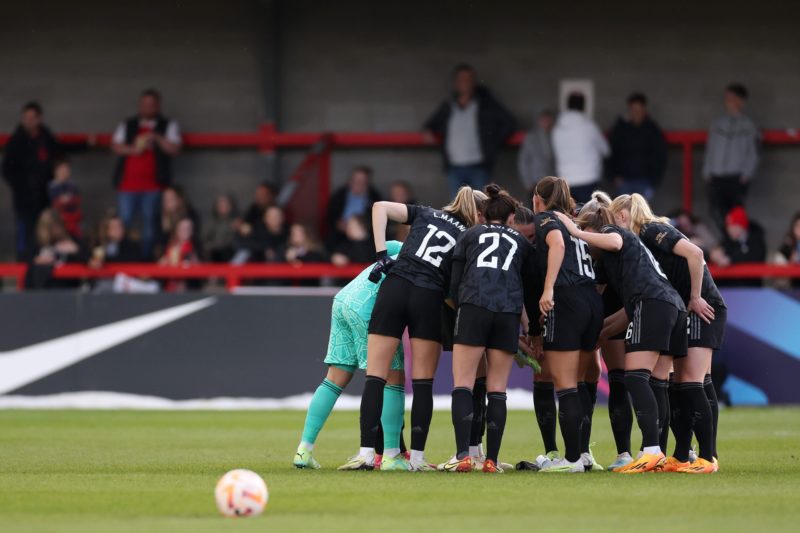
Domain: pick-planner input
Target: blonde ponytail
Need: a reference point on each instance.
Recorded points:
(639, 210)
(464, 206)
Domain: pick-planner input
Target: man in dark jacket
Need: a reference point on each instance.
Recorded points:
(638, 150)
(474, 127)
(350, 200)
(145, 145)
(744, 242)
(28, 170)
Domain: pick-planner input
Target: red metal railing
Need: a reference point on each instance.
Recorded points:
(233, 275)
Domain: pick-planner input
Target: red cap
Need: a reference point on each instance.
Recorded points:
(737, 217)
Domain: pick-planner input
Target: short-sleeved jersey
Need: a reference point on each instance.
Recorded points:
(661, 240)
(498, 261)
(577, 267)
(635, 274)
(428, 249)
(360, 294)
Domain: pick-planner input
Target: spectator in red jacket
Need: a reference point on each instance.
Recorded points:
(65, 198)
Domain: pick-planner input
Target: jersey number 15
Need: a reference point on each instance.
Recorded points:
(585, 267)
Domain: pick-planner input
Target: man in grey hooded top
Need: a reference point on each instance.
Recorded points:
(731, 155)
(535, 159)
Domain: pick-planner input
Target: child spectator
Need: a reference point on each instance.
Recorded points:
(180, 251)
(174, 208)
(221, 229)
(789, 252)
(55, 246)
(357, 246)
(264, 241)
(743, 243)
(113, 245)
(65, 198)
(303, 246)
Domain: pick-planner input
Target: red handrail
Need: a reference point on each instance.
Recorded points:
(234, 274)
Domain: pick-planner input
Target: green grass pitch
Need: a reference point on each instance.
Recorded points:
(92, 471)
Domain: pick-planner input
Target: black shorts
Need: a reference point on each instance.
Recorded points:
(477, 326)
(702, 335)
(448, 326)
(657, 326)
(575, 321)
(402, 304)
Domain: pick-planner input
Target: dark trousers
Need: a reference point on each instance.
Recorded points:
(724, 193)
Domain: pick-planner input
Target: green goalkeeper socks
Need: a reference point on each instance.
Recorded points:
(394, 404)
(318, 410)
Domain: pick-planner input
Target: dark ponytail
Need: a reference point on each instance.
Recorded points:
(500, 205)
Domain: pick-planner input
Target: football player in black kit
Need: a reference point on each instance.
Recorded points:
(657, 319)
(683, 263)
(573, 313)
(411, 296)
(493, 274)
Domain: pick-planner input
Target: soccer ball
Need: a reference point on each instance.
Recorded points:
(241, 493)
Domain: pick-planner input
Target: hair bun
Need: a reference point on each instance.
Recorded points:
(493, 190)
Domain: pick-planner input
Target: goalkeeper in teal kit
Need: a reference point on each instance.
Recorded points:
(347, 351)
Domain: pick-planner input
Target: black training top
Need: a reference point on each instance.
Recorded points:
(577, 268)
(635, 274)
(661, 240)
(425, 257)
(494, 267)
(612, 301)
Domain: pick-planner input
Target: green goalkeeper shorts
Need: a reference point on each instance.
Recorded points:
(348, 341)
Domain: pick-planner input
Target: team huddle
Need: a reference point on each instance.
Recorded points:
(562, 285)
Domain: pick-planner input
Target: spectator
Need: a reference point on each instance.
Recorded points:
(731, 155)
(181, 251)
(789, 252)
(264, 198)
(474, 126)
(113, 245)
(264, 241)
(638, 150)
(65, 198)
(695, 230)
(357, 247)
(28, 169)
(743, 243)
(174, 208)
(145, 145)
(353, 199)
(402, 193)
(535, 159)
(55, 247)
(303, 246)
(220, 231)
(579, 147)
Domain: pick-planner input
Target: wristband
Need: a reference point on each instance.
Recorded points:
(380, 255)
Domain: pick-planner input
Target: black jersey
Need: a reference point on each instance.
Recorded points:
(635, 274)
(577, 268)
(425, 257)
(612, 301)
(661, 240)
(494, 267)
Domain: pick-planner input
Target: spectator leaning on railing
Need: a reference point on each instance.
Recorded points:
(638, 150)
(744, 242)
(145, 145)
(535, 159)
(28, 169)
(731, 157)
(789, 251)
(474, 126)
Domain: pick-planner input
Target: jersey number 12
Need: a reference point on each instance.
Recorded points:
(427, 253)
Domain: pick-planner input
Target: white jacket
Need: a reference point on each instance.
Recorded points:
(579, 147)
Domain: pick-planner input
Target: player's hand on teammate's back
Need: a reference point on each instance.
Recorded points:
(382, 266)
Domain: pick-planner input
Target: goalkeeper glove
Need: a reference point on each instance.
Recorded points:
(382, 266)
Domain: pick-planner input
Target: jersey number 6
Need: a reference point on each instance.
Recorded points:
(427, 253)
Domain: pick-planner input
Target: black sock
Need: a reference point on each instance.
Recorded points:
(544, 405)
(588, 394)
(495, 423)
(702, 420)
(421, 412)
(661, 392)
(371, 407)
(644, 404)
(570, 415)
(680, 421)
(711, 394)
(619, 410)
(379, 441)
(461, 409)
(403, 448)
(478, 412)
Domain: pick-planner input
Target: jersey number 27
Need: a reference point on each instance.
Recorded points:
(430, 253)
(486, 259)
